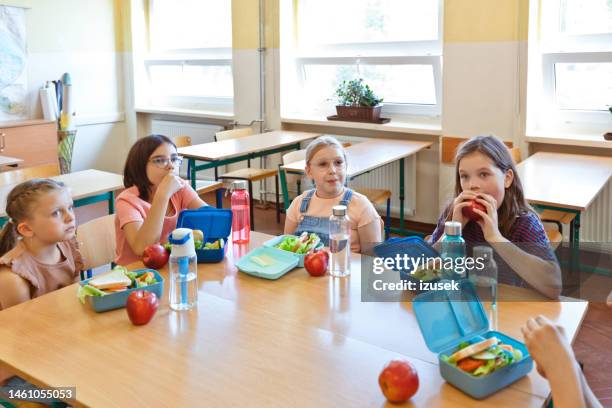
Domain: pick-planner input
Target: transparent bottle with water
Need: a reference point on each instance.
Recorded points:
(452, 247)
(485, 281)
(241, 213)
(183, 270)
(339, 242)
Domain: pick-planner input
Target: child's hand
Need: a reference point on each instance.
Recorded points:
(548, 346)
(170, 184)
(489, 222)
(462, 200)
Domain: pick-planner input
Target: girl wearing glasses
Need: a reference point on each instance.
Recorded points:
(147, 210)
(326, 166)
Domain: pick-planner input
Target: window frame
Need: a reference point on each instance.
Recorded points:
(212, 56)
(419, 52)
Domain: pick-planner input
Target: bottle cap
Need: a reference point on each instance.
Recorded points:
(339, 210)
(182, 242)
(485, 252)
(240, 185)
(452, 228)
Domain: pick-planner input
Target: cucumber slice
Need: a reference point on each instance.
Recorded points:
(485, 355)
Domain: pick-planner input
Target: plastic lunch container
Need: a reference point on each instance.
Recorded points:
(277, 240)
(447, 318)
(118, 300)
(215, 223)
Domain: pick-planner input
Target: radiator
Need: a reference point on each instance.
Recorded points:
(596, 220)
(198, 132)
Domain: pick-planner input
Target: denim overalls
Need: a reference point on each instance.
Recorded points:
(318, 225)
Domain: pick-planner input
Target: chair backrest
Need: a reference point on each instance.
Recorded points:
(293, 156)
(233, 134)
(28, 173)
(182, 141)
(97, 239)
(516, 154)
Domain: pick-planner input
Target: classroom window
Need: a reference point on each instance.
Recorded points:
(394, 45)
(189, 62)
(575, 58)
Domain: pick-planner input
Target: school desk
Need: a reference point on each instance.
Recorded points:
(244, 148)
(86, 187)
(297, 341)
(363, 158)
(9, 161)
(568, 183)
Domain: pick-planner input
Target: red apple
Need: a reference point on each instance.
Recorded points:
(316, 262)
(469, 213)
(155, 256)
(398, 381)
(141, 306)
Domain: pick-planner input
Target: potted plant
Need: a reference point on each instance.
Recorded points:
(357, 102)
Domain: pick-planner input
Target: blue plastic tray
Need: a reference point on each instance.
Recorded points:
(285, 261)
(449, 318)
(118, 300)
(214, 223)
(277, 240)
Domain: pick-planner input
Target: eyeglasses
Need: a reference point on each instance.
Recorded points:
(163, 162)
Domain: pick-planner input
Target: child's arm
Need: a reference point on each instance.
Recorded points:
(554, 357)
(13, 289)
(542, 274)
(196, 203)
(142, 234)
(292, 216)
(369, 235)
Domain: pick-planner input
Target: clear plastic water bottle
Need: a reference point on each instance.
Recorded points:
(485, 281)
(452, 247)
(241, 213)
(183, 270)
(339, 242)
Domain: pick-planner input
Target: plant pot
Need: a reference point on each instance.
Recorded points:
(608, 136)
(359, 113)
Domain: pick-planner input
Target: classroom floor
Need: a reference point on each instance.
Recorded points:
(592, 345)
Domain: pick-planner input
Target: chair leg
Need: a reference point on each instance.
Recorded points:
(251, 206)
(388, 220)
(277, 199)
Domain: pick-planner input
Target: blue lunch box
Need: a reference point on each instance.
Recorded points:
(448, 318)
(118, 300)
(414, 247)
(214, 223)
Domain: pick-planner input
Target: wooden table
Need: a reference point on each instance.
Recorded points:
(298, 341)
(240, 149)
(364, 157)
(9, 161)
(86, 187)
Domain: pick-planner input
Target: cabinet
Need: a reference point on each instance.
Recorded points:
(34, 141)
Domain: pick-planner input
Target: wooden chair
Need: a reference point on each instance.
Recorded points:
(28, 173)
(249, 174)
(202, 186)
(548, 217)
(97, 242)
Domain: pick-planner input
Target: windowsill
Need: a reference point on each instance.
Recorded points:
(569, 139)
(193, 113)
(424, 127)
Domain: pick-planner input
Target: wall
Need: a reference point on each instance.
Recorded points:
(83, 38)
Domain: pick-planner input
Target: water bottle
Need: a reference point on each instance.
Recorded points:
(183, 270)
(452, 247)
(339, 242)
(241, 214)
(485, 281)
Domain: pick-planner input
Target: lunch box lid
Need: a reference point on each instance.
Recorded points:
(414, 247)
(449, 317)
(213, 222)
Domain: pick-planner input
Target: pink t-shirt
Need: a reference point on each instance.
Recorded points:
(130, 207)
(361, 212)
